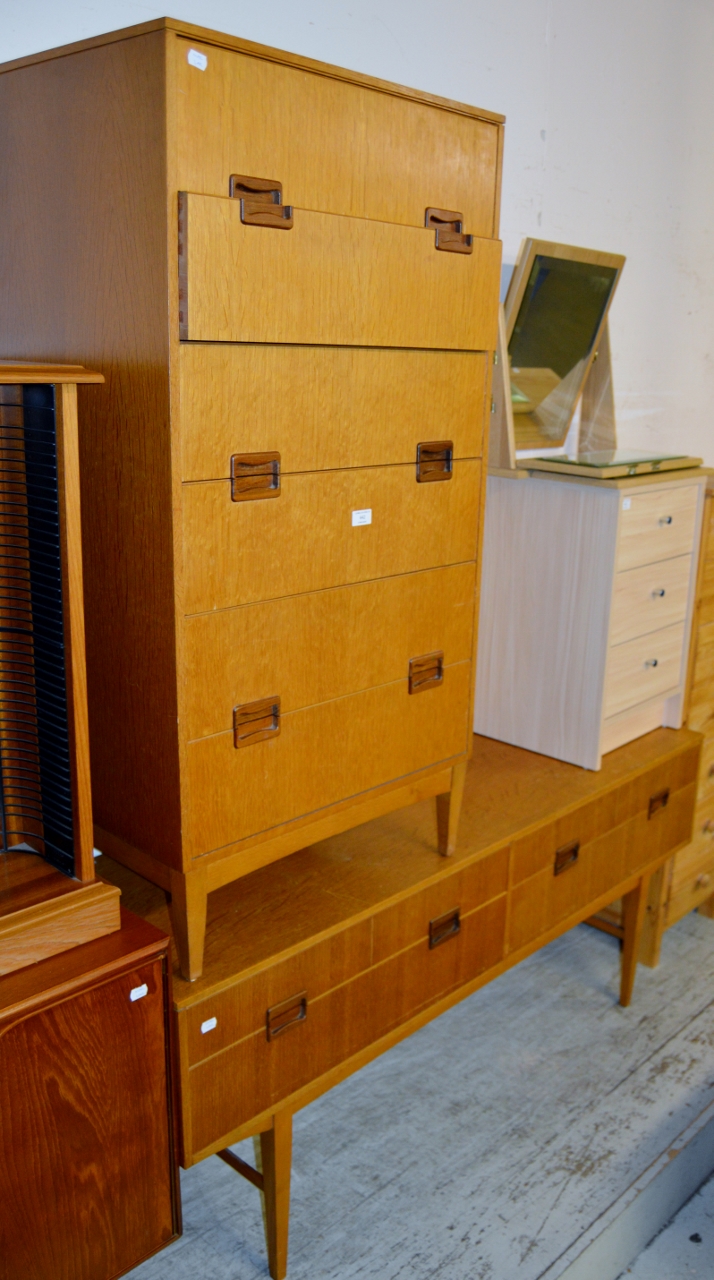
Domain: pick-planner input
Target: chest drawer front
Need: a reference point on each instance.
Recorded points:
(231, 1015)
(331, 279)
(251, 1076)
(657, 525)
(322, 754)
(336, 146)
(305, 539)
(643, 668)
(365, 635)
(327, 407)
(649, 597)
(701, 699)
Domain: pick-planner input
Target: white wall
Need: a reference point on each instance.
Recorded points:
(609, 143)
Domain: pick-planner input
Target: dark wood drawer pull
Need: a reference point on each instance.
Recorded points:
(657, 802)
(434, 460)
(281, 1017)
(255, 475)
(426, 672)
(254, 721)
(449, 227)
(444, 927)
(566, 856)
(261, 202)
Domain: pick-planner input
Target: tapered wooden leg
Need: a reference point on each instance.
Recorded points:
(655, 915)
(448, 810)
(188, 918)
(276, 1147)
(634, 906)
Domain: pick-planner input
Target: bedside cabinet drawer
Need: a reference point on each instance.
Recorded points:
(319, 756)
(649, 597)
(331, 280)
(325, 408)
(324, 529)
(643, 668)
(656, 526)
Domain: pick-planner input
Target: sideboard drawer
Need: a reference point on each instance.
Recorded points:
(331, 279)
(657, 525)
(322, 754)
(649, 597)
(231, 1087)
(313, 534)
(366, 635)
(643, 668)
(325, 407)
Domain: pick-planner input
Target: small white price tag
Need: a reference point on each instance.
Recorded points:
(138, 993)
(208, 1025)
(626, 504)
(196, 59)
(362, 517)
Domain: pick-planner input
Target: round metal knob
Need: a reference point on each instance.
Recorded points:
(659, 592)
(665, 519)
(652, 662)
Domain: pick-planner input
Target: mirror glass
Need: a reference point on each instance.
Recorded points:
(551, 343)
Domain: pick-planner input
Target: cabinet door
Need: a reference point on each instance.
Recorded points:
(331, 279)
(86, 1175)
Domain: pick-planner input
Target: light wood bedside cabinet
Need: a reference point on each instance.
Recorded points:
(289, 275)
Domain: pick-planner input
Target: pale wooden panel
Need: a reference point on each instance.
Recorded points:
(337, 147)
(644, 534)
(304, 540)
(324, 407)
(334, 280)
(322, 755)
(632, 723)
(548, 554)
(636, 606)
(629, 681)
(364, 635)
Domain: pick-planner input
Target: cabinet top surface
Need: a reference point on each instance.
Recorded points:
(653, 480)
(206, 36)
(290, 903)
(15, 372)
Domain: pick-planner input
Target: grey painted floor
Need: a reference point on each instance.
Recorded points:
(685, 1248)
(486, 1144)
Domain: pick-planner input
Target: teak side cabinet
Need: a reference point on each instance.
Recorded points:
(288, 274)
(371, 934)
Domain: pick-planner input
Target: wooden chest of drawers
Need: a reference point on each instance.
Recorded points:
(370, 934)
(289, 275)
(586, 610)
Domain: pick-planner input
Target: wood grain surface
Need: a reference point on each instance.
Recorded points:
(325, 407)
(333, 279)
(657, 525)
(650, 597)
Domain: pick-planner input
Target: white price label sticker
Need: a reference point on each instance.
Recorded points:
(138, 993)
(196, 59)
(362, 517)
(626, 504)
(208, 1025)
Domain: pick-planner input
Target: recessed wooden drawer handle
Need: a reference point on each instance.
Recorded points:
(261, 202)
(665, 519)
(708, 826)
(255, 475)
(657, 802)
(434, 460)
(426, 672)
(702, 881)
(566, 856)
(652, 662)
(281, 1017)
(660, 591)
(710, 772)
(444, 927)
(254, 721)
(449, 227)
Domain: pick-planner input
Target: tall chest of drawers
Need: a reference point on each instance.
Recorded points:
(288, 274)
(586, 610)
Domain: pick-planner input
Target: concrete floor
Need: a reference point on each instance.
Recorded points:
(493, 1140)
(685, 1248)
